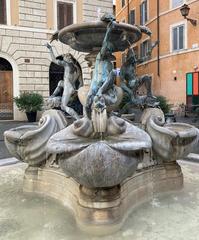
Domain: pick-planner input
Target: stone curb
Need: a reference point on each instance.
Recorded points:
(193, 157)
(8, 161)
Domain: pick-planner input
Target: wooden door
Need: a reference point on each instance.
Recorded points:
(6, 95)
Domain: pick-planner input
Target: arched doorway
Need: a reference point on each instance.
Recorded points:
(56, 73)
(6, 90)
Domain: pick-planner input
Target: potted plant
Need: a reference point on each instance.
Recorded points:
(166, 107)
(163, 104)
(29, 103)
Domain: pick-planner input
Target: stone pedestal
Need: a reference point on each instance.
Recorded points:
(103, 210)
(90, 58)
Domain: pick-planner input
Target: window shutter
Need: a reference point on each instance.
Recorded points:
(123, 3)
(69, 14)
(149, 48)
(149, 45)
(135, 49)
(64, 14)
(141, 50)
(123, 58)
(181, 37)
(145, 46)
(132, 17)
(175, 39)
(60, 15)
(141, 23)
(3, 12)
(145, 12)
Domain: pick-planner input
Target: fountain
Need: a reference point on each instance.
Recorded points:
(101, 166)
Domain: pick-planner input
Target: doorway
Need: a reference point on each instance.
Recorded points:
(6, 90)
(56, 73)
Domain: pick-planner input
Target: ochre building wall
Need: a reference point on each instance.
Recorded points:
(173, 66)
(30, 25)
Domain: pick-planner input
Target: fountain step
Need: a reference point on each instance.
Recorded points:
(102, 211)
(8, 161)
(192, 157)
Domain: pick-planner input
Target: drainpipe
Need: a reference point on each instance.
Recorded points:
(158, 36)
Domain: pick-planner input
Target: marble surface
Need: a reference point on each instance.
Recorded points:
(95, 162)
(88, 37)
(35, 217)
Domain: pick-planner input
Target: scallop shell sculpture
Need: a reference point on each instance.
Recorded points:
(99, 163)
(171, 141)
(28, 143)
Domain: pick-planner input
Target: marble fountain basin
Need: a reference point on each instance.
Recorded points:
(34, 216)
(95, 162)
(100, 179)
(171, 141)
(28, 143)
(88, 37)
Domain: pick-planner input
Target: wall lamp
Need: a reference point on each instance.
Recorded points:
(185, 12)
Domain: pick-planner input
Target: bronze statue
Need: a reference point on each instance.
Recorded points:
(72, 76)
(130, 82)
(102, 85)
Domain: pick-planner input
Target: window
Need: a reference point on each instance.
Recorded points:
(144, 50)
(176, 3)
(123, 3)
(135, 49)
(64, 14)
(3, 16)
(114, 64)
(132, 17)
(114, 10)
(143, 13)
(178, 36)
(123, 57)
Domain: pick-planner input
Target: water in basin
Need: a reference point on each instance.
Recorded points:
(34, 217)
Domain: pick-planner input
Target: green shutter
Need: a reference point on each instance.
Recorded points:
(189, 84)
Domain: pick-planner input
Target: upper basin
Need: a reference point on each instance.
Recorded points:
(88, 37)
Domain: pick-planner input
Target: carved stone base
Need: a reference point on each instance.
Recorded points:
(103, 211)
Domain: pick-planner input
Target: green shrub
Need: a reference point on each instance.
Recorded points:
(164, 105)
(29, 102)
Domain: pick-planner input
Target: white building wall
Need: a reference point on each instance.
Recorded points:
(32, 13)
(25, 44)
(93, 8)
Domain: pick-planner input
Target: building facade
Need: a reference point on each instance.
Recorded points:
(174, 64)
(25, 27)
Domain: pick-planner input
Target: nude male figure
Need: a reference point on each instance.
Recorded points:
(102, 84)
(130, 82)
(72, 74)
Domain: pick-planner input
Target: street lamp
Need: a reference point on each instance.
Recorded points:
(185, 12)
